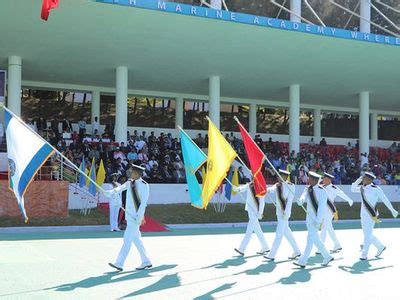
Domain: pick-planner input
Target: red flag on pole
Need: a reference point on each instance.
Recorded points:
(48, 5)
(256, 160)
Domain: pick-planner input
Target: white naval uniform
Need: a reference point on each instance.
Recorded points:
(255, 212)
(283, 216)
(332, 192)
(115, 203)
(133, 220)
(313, 221)
(373, 194)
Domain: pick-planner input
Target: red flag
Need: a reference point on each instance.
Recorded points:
(48, 5)
(256, 159)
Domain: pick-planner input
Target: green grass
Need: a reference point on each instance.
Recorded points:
(185, 214)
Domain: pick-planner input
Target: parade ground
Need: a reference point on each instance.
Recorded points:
(193, 264)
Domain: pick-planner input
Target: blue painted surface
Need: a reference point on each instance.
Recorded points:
(203, 12)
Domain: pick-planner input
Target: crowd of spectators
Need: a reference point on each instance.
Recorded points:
(162, 158)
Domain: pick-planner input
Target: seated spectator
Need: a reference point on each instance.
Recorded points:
(166, 175)
(242, 176)
(311, 142)
(132, 155)
(323, 143)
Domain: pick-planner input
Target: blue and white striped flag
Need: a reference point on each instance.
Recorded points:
(26, 152)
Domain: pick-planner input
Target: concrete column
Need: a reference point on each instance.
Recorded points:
(178, 112)
(365, 13)
(294, 118)
(374, 128)
(215, 99)
(253, 119)
(95, 109)
(121, 104)
(14, 84)
(363, 135)
(317, 125)
(295, 6)
(217, 4)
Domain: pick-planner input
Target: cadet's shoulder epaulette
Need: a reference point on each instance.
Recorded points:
(321, 187)
(334, 186)
(374, 185)
(290, 183)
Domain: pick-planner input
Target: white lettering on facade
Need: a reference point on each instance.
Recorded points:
(256, 21)
(161, 5)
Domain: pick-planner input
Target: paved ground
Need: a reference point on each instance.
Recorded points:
(191, 264)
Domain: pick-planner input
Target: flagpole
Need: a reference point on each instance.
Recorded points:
(54, 149)
(272, 166)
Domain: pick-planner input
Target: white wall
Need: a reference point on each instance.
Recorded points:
(178, 193)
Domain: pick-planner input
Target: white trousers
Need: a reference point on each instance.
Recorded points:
(253, 226)
(327, 229)
(132, 235)
(283, 230)
(114, 211)
(367, 225)
(313, 239)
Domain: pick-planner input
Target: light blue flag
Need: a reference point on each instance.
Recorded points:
(92, 187)
(82, 178)
(194, 158)
(26, 152)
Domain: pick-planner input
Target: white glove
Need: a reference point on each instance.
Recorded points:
(317, 225)
(260, 216)
(299, 203)
(351, 203)
(395, 213)
(235, 188)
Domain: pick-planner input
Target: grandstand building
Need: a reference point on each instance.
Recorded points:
(284, 63)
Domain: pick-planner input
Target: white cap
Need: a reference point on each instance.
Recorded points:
(370, 175)
(327, 175)
(140, 168)
(314, 175)
(284, 172)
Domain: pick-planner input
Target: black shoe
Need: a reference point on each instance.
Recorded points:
(238, 251)
(294, 256)
(263, 252)
(269, 258)
(299, 265)
(115, 267)
(336, 250)
(363, 258)
(144, 267)
(378, 254)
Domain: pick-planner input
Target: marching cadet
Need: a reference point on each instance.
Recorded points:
(332, 192)
(284, 194)
(137, 194)
(255, 209)
(316, 198)
(115, 203)
(370, 195)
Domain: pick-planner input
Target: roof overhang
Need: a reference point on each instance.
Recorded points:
(84, 41)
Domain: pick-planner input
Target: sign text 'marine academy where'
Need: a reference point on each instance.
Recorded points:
(204, 12)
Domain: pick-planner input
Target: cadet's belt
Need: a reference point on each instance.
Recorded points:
(282, 200)
(136, 198)
(372, 211)
(333, 209)
(313, 199)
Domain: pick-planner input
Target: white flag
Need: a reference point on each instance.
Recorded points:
(26, 154)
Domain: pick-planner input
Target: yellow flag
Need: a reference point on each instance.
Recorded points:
(203, 175)
(87, 171)
(101, 174)
(219, 160)
(235, 180)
